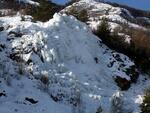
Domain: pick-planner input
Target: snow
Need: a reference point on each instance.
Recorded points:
(29, 2)
(127, 37)
(65, 50)
(144, 18)
(98, 9)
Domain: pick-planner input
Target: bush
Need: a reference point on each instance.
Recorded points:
(81, 15)
(103, 30)
(117, 103)
(138, 49)
(145, 107)
(45, 79)
(133, 73)
(11, 5)
(44, 12)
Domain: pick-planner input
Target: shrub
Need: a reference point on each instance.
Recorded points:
(81, 15)
(44, 12)
(103, 30)
(138, 49)
(117, 103)
(111, 39)
(45, 79)
(145, 107)
(44, 84)
(133, 73)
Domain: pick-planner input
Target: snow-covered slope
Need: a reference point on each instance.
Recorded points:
(12, 7)
(98, 9)
(29, 2)
(80, 69)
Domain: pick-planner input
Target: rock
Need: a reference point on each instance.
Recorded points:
(15, 34)
(31, 100)
(123, 83)
(1, 29)
(3, 94)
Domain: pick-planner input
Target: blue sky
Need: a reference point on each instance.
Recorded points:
(60, 1)
(141, 4)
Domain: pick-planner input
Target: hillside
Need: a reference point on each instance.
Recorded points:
(40, 10)
(60, 66)
(132, 33)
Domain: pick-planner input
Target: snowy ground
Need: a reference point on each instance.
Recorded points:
(79, 67)
(29, 2)
(98, 9)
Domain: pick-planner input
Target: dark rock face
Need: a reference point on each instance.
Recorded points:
(123, 83)
(3, 94)
(31, 100)
(2, 46)
(15, 34)
(1, 29)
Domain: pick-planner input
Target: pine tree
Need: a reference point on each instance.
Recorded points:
(103, 31)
